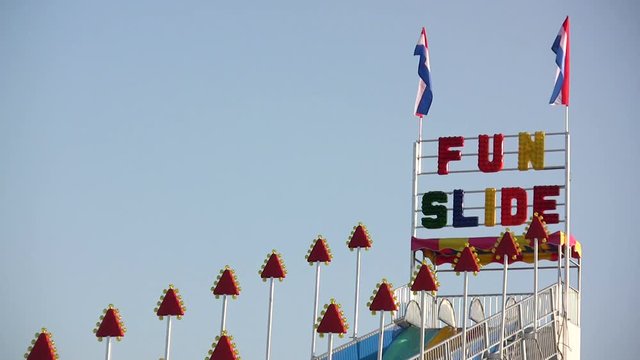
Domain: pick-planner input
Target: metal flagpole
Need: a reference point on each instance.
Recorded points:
(381, 337)
(223, 326)
(269, 320)
(504, 304)
(567, 245)
(423, 323)
(315, 315)
(417, 153)
(330, 350)
(108, 357)
(464, 315)
(168, 343)
(355, 317)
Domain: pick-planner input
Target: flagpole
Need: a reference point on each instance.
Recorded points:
(414, 197)
(567, 245)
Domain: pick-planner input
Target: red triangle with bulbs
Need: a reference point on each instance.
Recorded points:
(383, 300)
(273, 268)
(506, 247)
(319, 252)
(110, 325)
(424, 281)
(467, 261)
(42, 349)
(332, 321)
(224, 350)
(359, 238)
(170, 305)
(536, 230)
(226, 284)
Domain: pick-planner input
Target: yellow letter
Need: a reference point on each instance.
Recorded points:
(490, 207)
(530, 151)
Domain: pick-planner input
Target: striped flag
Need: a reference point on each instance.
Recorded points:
(425, 96)
(560, 47)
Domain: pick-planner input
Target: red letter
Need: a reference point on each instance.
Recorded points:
(445, 155)
(540, 204)
(483, 153)
(520, 196)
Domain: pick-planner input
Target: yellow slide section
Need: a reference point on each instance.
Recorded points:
(442, 335)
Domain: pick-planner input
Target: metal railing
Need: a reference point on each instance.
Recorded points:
(484, 336)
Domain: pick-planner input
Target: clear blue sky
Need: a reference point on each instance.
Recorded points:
(144, 143)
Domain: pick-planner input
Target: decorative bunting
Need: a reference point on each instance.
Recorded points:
(110, 324)
(332, 320)
(537, 229)
(424, 279)
(42, 347)
(170, 304)
(359, 238)
(319, 252)
(223, 349)
(226, 283)
(507, 247)
(273, 267)
(383, 298)
(466, 261)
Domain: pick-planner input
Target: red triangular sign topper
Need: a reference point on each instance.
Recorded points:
(273, 268)
(43, 348)
(320, 252)
(224, 350)
(332, 322)
(536, 230)
(110, 325)
(506, 247)
(226, 284)
(467, 262)
(383, 300)
(359, 238)
(171, 304)
(424, 281)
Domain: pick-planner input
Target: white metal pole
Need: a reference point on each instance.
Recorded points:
(414, 203)
(504, 304)
(330, 350)
(315, 314)
(167, 346)
(535, 283)
(423, 323)
(579, 289)
(271, 288)
(355, 316)
(567, 245)
(464, 315)
(108, 356)
(223, 326)
(417, 153)
(381, 337)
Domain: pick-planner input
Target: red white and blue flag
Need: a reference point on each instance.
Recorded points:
(425, 96)
(560, 47)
